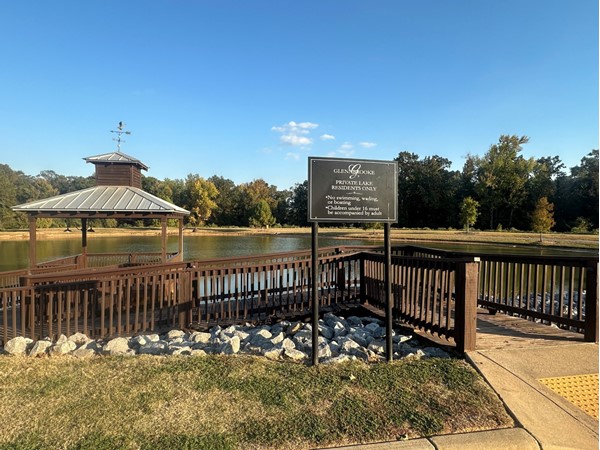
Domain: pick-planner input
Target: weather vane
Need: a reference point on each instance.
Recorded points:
(119, 132)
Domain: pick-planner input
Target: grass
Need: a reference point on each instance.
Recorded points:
(218, 402)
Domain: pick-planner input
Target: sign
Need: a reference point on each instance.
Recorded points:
(351, 190)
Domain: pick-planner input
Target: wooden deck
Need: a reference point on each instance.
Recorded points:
(501, 331)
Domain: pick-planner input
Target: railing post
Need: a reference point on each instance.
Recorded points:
(591, 303)
(465, 319)
(363, 284)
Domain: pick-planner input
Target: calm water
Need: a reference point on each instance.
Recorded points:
(14, 254)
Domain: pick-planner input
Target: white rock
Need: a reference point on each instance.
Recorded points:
(116, 346)
(231, 346)
(272, 353)
(198, 352)
(278, 338)
(16, 346)
(203, 338)
(79, 339)
(40, 347)
(153, 348)
(377, 346)
(62, 348)
(83, 352)
(293, 354)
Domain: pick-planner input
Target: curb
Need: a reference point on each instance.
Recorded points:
(506, 439)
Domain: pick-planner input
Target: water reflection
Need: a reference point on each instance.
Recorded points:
(14, 254)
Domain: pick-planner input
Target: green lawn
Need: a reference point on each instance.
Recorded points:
(218, 402)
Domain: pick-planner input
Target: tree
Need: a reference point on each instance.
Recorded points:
(201, 196)
(299, 205)
(542, 219)
(261, 216)
(501, 178)
(469, 210)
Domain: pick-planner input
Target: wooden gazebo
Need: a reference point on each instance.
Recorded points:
(117, 195)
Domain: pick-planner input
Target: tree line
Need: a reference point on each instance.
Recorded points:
(499, 190)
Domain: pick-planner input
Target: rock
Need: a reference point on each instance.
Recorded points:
(62, 348)
(116, 346)
(276, 339)
(379, 332)
(229, 331)
(324, 351)
(41, 347)
(272, 353)
(288, 344)
(84, 352)
(325, 331)
(377, 347)
(360, 353)
(294, 328)
(198, 352)
(361, 338)
(347, 345)
(435, 352)
(399, 338)
(79, 339)
(261, 333)
(231, 346)
(200, 337)
(293, 354)
(242, 335)
(183, 350)
(61, 339)
(372, 327)
(153, 348)
(354, 321)
(276, 329)
(16, 346)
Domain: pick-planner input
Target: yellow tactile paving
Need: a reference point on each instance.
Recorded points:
(581, 390)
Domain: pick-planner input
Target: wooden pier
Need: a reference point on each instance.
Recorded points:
(440, 293)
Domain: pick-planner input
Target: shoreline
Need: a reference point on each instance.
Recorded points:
(564, 240)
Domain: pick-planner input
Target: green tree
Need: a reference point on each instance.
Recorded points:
(201, 196)
(542, 219)
(299, 205)
(469, 210)
(501, 179)
(262, 216)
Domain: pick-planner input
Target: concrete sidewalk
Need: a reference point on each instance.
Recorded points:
(552, 420)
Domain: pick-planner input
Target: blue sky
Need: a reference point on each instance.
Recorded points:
(250, 89)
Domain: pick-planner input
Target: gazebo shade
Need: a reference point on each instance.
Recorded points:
(103, 201)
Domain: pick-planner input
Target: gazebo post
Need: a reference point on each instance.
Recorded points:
(32, 243)
(83, 243)
(163, 222)
(180, 249)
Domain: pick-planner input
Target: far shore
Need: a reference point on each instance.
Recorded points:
(567, 240)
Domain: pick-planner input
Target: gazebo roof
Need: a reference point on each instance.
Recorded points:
(103, 201)
(115, 158)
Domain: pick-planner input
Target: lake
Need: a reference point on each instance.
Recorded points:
(14, 254)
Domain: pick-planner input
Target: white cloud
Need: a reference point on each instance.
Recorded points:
(346, 149)
(292, 156)
(367, 144)
(295, 134)
(292, 139)
(327, 137)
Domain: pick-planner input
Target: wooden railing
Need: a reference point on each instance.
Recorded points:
(437, 295)
(433, 290)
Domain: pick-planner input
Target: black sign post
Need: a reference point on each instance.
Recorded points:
(356, 191)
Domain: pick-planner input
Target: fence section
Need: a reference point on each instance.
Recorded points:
(434, 290)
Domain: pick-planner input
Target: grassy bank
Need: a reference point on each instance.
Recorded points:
(399, 236)
(235, 402)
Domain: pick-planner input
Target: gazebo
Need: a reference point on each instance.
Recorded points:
(118, 194)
